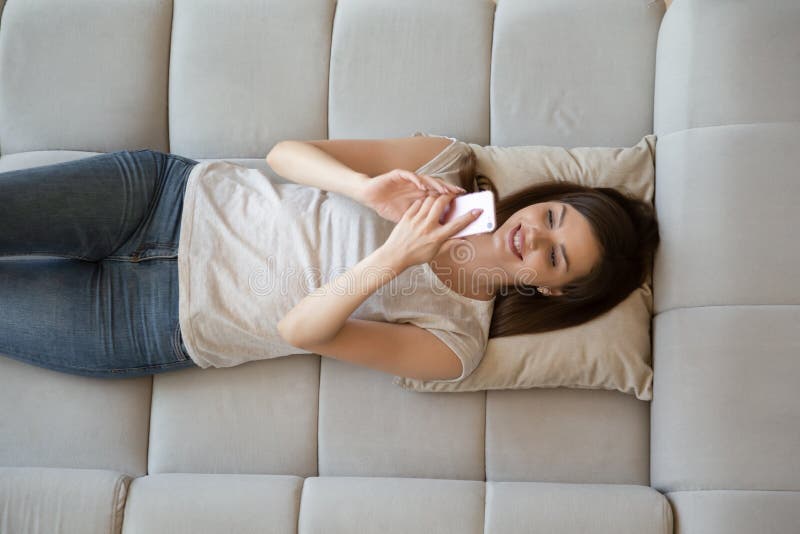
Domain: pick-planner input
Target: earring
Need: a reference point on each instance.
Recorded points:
(544, 290)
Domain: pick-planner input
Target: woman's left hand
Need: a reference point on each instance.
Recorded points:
(390, 194)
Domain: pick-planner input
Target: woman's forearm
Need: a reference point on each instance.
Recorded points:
(308, 165)
(322, 313)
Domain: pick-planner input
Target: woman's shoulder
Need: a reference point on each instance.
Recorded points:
(454, 164)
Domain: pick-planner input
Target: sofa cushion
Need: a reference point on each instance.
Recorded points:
(730, 417)
(369, 427)
(258, 417)
(728, 217)
(392, 505)
(65, 420)
(43, 499)
(334, 505)
(400, 66)
(206, 503)
(736, 511)
(101, 88)
(566, 435)
(258, 74)
(576, 508)
(576, 72)
(611, 351)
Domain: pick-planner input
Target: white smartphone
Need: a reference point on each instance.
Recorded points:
(463, 204)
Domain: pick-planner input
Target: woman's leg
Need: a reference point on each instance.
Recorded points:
(107, 304)
(102, 319)
(83, 209)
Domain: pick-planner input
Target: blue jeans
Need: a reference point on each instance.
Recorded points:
(104, 303)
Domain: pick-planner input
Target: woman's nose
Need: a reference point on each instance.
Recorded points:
(535, 237)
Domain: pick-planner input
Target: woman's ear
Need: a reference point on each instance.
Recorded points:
(546, 291)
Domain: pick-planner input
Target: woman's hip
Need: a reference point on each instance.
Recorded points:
(158, 234)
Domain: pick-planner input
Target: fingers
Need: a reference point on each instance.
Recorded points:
(443, 187)
(459, 223)
(435, 185)
(413, 177)
(427, 204)
(415, 208)
(429, 183)
(430, 209)
(438, 205)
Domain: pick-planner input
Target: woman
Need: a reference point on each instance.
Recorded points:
(167, 263)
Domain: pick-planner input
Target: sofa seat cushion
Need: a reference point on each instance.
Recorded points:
(576, 508)
(57, 419)
(736, 511)
(200, 503)
(333, 505)
(46, 499)
(341, 505)
(730, 418)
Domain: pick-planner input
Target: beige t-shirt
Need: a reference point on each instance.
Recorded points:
(251, 249)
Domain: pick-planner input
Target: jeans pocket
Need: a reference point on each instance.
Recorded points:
(176, 343)
(152, 251)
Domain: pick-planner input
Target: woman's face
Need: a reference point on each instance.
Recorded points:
(556, 245)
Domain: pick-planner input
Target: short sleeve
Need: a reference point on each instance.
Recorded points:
(460, 322)
(468, 349)
(455, 164)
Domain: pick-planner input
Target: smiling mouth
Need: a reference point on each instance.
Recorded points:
(511, 242)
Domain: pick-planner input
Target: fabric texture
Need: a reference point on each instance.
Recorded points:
(612, 351)
(250, 250)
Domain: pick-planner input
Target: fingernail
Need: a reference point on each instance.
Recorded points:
(476, 211)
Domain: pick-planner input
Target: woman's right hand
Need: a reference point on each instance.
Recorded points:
(418, 236)
(392, 193)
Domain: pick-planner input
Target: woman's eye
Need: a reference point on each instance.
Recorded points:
(553, 255)
(550, 217)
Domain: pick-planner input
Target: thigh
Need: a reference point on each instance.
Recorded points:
(105, 319)
(82, 209)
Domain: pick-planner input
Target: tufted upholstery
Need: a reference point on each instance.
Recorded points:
(310, 444)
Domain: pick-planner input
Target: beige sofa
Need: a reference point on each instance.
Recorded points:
(310, 444)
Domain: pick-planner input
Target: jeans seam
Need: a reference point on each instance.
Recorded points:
(46, 253)
(176, 344)
(158, 244)
(34, 360)
(136, 259)
(140, 259)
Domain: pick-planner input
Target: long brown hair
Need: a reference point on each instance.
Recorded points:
(627, 231)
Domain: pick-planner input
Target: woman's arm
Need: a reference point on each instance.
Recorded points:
(416, 239)
(342, 165)
(306, 164)
(322, 313)
(320, 323)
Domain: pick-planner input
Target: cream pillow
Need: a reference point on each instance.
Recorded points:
(611, 351)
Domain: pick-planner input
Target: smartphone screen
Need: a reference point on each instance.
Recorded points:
(463, 204)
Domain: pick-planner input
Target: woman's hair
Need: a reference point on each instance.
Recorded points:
(625, 228)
